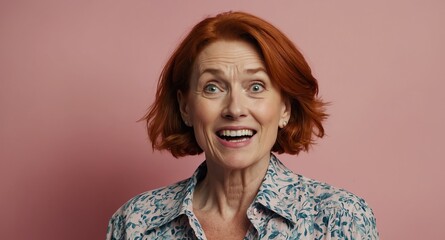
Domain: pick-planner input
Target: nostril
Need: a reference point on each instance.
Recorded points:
(234, 106)
(228, 116)
(233, 116)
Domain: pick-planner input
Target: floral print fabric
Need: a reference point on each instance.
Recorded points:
(287, 206)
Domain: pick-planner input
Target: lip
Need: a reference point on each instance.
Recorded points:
(239, 144)
(235, 128)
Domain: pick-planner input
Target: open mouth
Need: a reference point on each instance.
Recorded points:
(236, 135)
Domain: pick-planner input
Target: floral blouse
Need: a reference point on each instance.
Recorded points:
(287, 206)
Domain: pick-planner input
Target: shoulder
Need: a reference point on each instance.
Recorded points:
(147, 210)
(303, 193)
(155, 200)
(326, 196)
(336, 210)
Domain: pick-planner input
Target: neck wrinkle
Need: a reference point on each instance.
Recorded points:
(230, 192)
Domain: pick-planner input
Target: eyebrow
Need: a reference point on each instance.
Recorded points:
(212, 71)
(255, 70)
(216, 71)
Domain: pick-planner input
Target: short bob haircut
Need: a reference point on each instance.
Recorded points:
(285, 66)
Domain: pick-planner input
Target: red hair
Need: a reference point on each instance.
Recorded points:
(285, 65)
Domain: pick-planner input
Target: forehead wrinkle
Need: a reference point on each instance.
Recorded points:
(220, 66)
(229, 61)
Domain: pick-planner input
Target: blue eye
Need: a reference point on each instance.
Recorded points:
(211, 88)
(256, 88)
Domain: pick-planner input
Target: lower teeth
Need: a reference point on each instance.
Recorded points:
(238, 140)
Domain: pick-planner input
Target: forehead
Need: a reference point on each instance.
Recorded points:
(233, 53)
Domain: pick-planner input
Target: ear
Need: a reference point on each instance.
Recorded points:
(183, 107)
(285, 112)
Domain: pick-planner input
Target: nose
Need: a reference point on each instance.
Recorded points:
(234, 106)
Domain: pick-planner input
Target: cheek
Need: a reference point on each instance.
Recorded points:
(203, 117)
(267, 113)
(205, 112)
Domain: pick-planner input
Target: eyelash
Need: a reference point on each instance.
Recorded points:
(211, 85)
(261, 85)
(212, 88)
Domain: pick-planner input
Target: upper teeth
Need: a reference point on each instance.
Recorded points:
(236, 133)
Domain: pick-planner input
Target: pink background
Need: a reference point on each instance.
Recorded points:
(75, 76)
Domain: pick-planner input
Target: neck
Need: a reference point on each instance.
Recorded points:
(229, 192)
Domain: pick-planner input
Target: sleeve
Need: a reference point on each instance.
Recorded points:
(355, 222)
(364, 225)
(116, 227)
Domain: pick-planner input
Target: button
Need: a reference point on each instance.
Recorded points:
(255, 211)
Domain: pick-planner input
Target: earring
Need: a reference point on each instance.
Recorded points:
(187, 123)
(283, 124)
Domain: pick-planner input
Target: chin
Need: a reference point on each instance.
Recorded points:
(239, 161)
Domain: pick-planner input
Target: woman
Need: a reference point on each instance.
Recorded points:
(237, 89)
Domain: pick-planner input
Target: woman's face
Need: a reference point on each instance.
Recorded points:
(233, 106)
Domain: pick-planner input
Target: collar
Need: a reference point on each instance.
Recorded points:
(178, 199)
(285, 193)
(281, 191)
